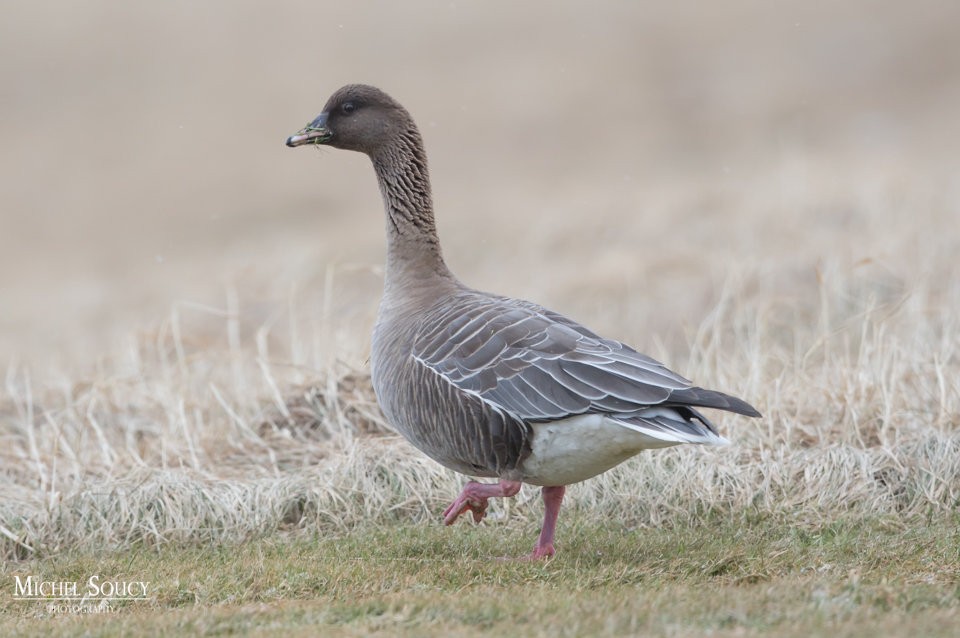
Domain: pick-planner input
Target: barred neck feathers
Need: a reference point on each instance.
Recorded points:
(412, 242)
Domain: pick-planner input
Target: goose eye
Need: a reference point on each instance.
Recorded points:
(348, 107)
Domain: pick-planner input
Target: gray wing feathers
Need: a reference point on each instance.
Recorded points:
(538, 365)
(496, 442)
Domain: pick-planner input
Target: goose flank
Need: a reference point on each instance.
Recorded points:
(487, 385)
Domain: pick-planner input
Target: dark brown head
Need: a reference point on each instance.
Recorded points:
(357, 117)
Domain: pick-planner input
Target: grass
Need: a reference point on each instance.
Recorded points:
(254, 502)
(725, 576)
(180, 441)
(239, 462)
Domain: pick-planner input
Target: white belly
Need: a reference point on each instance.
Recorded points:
(578, 448)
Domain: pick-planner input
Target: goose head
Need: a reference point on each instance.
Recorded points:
(356, 118)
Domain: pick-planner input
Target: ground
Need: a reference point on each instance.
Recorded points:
(744, 577)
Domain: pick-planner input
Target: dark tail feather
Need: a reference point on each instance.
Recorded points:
(710, 399)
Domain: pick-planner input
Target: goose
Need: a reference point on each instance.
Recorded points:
(486, 385)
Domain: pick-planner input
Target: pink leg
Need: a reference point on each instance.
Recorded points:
(474, 498)
(552, 497)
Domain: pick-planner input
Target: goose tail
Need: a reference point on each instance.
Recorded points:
(673, 425)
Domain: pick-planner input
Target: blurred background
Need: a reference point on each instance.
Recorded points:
(616, 160)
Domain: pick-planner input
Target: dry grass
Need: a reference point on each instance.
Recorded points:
(214, 428)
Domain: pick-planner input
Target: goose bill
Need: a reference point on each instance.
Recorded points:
(316, 132)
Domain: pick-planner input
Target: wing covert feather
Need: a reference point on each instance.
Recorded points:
(536, 364)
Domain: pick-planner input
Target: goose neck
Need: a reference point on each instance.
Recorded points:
(413, 247)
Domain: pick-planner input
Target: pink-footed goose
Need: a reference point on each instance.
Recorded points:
(491, 386)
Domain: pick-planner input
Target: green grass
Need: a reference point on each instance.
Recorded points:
(727, 577)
